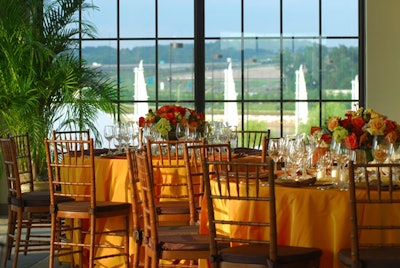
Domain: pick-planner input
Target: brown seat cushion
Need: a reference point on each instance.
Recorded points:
(173, 207)
(36, 199)
(185, 242)
(101, 206)
(259, 254)
(374, 257)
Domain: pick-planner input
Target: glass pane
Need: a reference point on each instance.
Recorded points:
(261, 75)
(101, 54)
(304, 123)
(262, 116)
(214, 70)
(330, 109)
(104, 19)
(132, 73)
(288, 118)
(261, 17)
(301, 53)
(176, 70)
(137, 18)
(221, 20)
(340, 18)
(172, 23)
(300, 17)
(339, 69)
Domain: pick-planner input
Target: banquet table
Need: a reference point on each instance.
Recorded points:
(306, 216)
(112, 184)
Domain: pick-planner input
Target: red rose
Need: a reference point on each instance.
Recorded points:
(390, 125)
(327, 138)
(358, 124)
(351, 141)
(141, 121)
(346, 123)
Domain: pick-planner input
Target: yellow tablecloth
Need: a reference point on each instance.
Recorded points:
(305, 217)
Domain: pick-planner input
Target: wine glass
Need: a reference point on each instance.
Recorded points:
(380, 150)
(358, 157)
(274, 150)
(109, 135)
(120, 137)
(133, 131)
(182, 131)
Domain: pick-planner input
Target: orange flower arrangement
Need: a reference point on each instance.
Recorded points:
(357, 129)
(168, 116)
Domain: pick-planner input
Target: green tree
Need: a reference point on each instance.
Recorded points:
(40, 77)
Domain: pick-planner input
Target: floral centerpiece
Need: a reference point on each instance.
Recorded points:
(168, 116)
(357, 129)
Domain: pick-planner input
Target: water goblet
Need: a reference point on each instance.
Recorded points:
(380, 150)
(274, 150)
(182, 131)
(109, 135)
(358, 157)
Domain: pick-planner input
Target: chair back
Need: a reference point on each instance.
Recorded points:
(71, 134)
(70, 165)
(251, 139)
(242, 189)
(24, 159)
(137, 212)
(12, 171)
(166, 158)
(377, 191)
(148, 203)
(194, 169)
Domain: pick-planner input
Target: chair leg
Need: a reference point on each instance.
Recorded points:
(92, 241)
(53, 236)
(17, 238)
(28, 232)
(127, 258)
(10, 235)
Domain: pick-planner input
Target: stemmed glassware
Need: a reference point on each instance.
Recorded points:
(150, 132)
(109, 135)
(380, 150)
(119, 137)
(133, 131)
(182, 131)
(274, 150)
(358, 157)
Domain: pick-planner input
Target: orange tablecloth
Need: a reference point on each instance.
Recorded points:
(306, 217)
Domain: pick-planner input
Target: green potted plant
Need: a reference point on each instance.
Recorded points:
(40, 75)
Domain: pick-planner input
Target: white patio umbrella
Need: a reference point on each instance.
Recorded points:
(301, 94)
(140, 93)
(355, 92)
(230, 108)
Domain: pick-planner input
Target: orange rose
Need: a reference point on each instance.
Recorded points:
(391, 137)
(351, 141)
(314, 129)
(333, 122)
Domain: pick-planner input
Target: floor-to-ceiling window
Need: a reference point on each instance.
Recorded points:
(278, 64)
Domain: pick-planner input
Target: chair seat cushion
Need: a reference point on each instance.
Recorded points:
(259, 254)
(185, 242)
(101, 206)
(374, 257)
(173, 207)
(37, 199)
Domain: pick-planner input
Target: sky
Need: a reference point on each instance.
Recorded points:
(300, 18)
